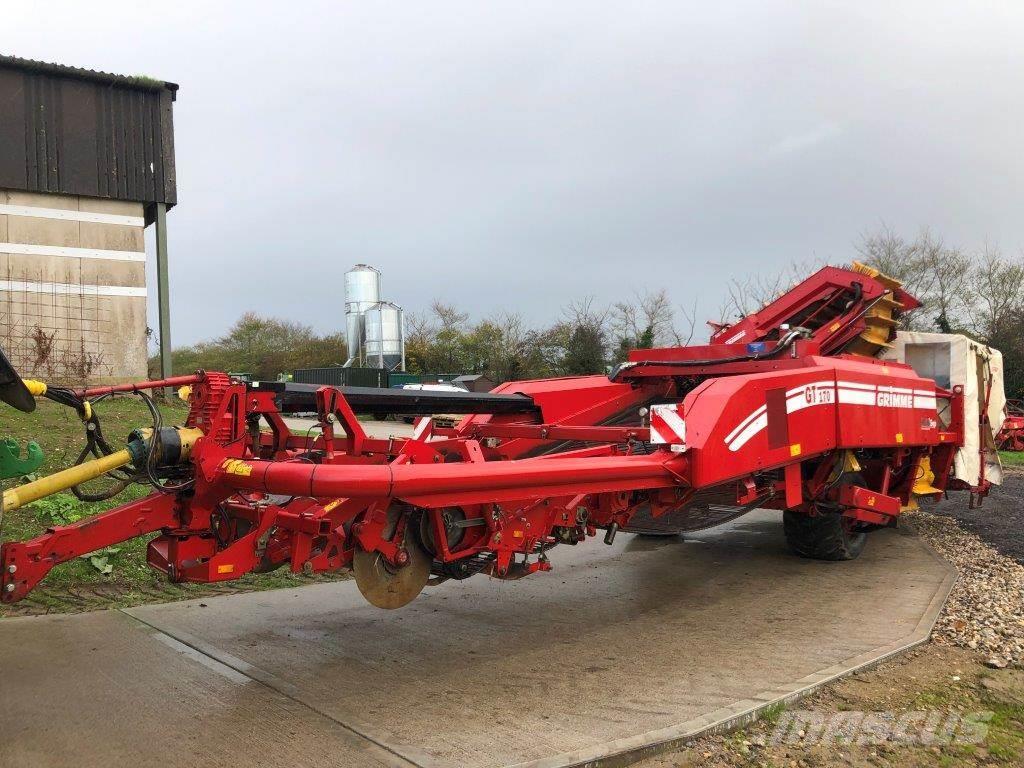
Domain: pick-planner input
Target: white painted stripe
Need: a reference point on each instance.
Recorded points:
(57, 213)
(670, 415)
(794, 392)
(894, 390)
(799, 402)
(750, 417)
(857, 385)
(856, 397)
(802, 389)
(423, 423)
(74, 253)
(751, 429)
(71, 289)
(926, 402)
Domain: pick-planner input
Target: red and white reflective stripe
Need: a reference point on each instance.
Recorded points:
(423, 429)
(667, 426)
(828, 392)
(885, 396)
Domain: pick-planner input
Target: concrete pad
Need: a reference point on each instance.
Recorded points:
(619, 651)
(103, 690)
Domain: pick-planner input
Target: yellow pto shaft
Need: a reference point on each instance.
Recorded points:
(176, 446)
(61, 481)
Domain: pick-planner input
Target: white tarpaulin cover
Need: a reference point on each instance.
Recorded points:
(952, 359)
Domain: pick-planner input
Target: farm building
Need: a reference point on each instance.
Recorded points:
(86, 163)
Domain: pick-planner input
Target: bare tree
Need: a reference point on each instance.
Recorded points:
(909, 262)
(937, 275)
(448, 316)
(583, 311)
(950, 297)
(1000, 292)
(753, 292)
(582, 338)
(689, 323)
(649, 320)
(419, 326)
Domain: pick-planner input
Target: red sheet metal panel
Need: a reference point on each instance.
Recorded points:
(727, 422)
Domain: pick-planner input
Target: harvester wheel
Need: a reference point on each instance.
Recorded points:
(825, 536)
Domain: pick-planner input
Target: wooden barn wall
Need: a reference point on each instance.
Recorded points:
(71, 136)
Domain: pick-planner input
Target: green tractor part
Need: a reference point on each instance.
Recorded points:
(11, 462)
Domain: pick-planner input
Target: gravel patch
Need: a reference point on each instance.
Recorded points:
(985, 610)
(999, 521)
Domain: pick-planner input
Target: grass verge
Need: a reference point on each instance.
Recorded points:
(1012, 458)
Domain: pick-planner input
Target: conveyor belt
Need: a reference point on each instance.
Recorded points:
(299, 398)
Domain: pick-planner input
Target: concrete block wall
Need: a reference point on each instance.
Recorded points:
(72, 287)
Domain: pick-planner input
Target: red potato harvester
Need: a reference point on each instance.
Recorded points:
(1011, 436)
(787, 409)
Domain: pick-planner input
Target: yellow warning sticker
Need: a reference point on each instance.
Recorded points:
(237, 467)
(331, 505)
(229, 568)
(794, 449)
(899, 437)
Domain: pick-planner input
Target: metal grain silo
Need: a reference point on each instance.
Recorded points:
(362, 291)
(385, 336)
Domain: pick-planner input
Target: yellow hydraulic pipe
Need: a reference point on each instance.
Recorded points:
(61, 481)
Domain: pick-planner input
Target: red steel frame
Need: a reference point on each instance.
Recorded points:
(1011, 435)
(775, 424)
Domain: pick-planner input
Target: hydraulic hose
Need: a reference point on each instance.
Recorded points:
(783, 344)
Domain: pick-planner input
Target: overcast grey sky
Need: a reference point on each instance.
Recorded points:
(517, 155)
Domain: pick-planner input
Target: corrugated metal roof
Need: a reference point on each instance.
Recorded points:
(129, 81)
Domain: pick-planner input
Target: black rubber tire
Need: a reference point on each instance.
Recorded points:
(823, 537)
